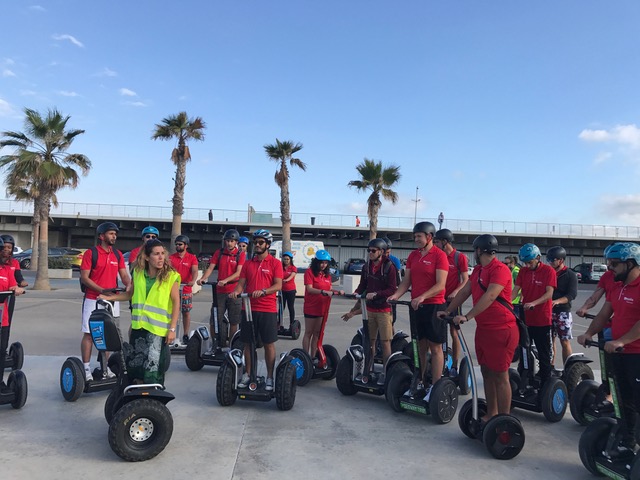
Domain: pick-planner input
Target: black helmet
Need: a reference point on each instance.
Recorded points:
(183, 239)
(231, 234)
(486, 243)
(425, 227)
(556, 252)
(106, 227)
(444, 234)
(388, 242)
(8, 239)
(378, 243)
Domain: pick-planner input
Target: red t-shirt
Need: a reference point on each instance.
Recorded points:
(625, 301)
(106, 272)
(316, 304)
(454, 277)
(534, 284)
(261, 274)
(133, 255)
(291, 284)
(183, 267)
(496, 316)
(227, 266)
(423, 272)
(7, 280)
(607, 283)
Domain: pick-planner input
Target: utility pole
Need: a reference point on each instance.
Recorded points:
(415, 212)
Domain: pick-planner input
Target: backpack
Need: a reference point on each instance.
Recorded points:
(456, 256)
(221, 252)
(94, 263)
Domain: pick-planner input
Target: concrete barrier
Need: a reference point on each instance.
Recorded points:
(350, 283)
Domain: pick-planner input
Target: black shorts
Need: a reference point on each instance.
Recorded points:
(429, 326)
(265, 325)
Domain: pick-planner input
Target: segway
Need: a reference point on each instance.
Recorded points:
(590, 400)
(204, 349)
(325, 363)
(72, 378)
(357, 370)
(15, 391)
(140, 424)
(528, 392)
(295, 327)
(601, 447)
(15, 357)
(503, 435)
(405, 389)
(230, 373)
(177, 347)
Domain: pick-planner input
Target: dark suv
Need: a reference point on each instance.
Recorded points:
(354, 266)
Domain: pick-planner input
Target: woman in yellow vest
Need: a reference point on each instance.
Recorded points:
(155, 309)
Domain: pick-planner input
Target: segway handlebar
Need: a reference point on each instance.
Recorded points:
(598, 344)
(590, 316)
(110, 291)
(399, 302)
(355, 296)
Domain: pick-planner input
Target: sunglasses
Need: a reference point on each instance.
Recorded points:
(150, 236)
(613, 263)
(372, 250)
(179, 244)
(259, 242)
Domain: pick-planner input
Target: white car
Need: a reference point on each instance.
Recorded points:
(16, 250)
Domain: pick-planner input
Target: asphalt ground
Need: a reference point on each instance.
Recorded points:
(326, 435)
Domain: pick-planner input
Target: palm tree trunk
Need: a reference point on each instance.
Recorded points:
(178, 199)
(42, 275)
(285, 217)
(373, 220)
(37, 221)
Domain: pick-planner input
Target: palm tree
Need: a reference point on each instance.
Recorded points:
(182, 128)
(283, 152)
(38, 168)
(380, 180)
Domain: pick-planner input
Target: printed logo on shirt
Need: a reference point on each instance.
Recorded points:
(629, 300)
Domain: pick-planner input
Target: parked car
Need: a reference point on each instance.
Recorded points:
(24, 257)
(75, 256)
(204, 257)
(590, 272)
(17, 250)
(354, 266)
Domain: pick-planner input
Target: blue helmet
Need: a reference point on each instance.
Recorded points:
(150, 231)
(288, 254)
(624, 251)
(528, 252)
(262, 233)
(243, 240)
(323, 256)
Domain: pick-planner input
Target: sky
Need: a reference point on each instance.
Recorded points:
(494, 110)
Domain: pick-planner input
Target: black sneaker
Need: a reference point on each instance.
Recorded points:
(185, 339)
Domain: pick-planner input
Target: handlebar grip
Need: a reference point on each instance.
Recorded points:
(590, 316)
(399, 302)
(353, 296)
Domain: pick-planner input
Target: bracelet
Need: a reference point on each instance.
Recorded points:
(264, 291)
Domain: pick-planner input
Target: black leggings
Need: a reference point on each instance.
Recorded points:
(541, 337)
(288, 298)
(627, 369)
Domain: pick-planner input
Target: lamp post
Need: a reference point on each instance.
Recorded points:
(415, 211)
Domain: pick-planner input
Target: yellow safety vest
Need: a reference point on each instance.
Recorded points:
(152, 312)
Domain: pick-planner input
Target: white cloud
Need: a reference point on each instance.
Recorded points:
(6, 109)
(623, 135)
(66, 93)
(105, 72)
(182, 97)
(625, 208)
(8, 73)
(28, 93)
(602, 158)
(9, 61)
(136, 104)
(71, 38)
(37, 8)
(128, 93)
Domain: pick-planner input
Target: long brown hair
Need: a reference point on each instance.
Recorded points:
(143, 265)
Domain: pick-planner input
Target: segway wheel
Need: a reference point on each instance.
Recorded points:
(583, 395)
(285, 386)
(399, 344)
(140, 430)
(398, 383)
(236, 343)
(593, 442)
(296, 328)
(554, 399)
(464, 377)
(72, 379)
(465, 417)
(114, 363)
(443, 402)
(357, 339)
(16, 352)
(343, 376)
(17, 382)
(303, 366)
(333, 359)
(192, 354)
(226, 392)
(576, 373)
(503, 436)
(109, 405)
(514, 380)
(635, 468)
(167, 357)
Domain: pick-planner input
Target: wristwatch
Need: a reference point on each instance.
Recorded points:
(172, 330)
(264, 291)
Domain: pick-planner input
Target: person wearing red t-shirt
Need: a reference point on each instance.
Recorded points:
(7, 282)
(496, 332)
(261, 278)
(229, 260)
(186, 264)
(288, 294)
(148, 233)
(623, 304)
(457, 278)
(605, 284)
(537, 282)
(426, 274)
(103, 277)
(7, 252)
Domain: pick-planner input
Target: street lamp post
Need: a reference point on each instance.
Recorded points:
(415, 211)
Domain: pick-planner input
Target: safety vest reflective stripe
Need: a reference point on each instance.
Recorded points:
(151, 309)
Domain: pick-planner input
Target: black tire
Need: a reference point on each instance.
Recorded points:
(333, 359)
(443, 401)
(464, 377)
(554, 399)
(634, 474)
(583, 396)
(397, 384)
(140, 430)
(576, 373)
(72, 379)
(514, 380)
(357, 339)
(593, 441)
(303, 366)
(344, 382)
(226, 392)
(17, 382)
(16, 352)
(503, 436)
(236, 343)
(192, 354)
(109, 410)
(114, 363)
(465, 417)
(398, 344)
(25, 264)
(296, 328)
(167, 357)
(285, 386)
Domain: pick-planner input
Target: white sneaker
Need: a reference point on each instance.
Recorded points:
(88, 375)
(269, 385)
(244, 381)
(428, 395)
(110, 374)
